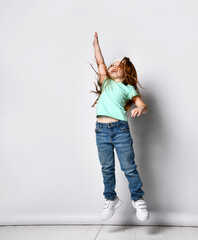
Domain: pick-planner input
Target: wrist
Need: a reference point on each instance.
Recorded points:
(144, 108)
(99, 61)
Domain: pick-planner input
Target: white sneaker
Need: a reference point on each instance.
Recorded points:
(109, 208)
(141, 209)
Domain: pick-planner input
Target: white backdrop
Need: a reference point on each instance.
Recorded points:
(49, 167)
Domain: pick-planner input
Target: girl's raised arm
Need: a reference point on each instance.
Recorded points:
(99, 59)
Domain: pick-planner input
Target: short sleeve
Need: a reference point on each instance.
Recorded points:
(131, 91)
(104, 82)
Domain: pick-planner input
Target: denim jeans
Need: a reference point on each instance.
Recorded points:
(117, 134)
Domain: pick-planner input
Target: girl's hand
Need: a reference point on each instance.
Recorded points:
(95, 42)
(136, 110)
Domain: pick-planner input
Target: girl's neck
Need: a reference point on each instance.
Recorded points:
(118, 80)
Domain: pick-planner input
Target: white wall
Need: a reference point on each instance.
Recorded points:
(49, 167)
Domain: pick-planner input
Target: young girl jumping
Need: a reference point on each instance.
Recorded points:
(118, 91)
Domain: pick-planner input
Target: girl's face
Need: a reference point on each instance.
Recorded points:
(116, 70)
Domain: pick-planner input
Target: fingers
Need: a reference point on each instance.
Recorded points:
(135, 111)
(95, 42)
(96, 36)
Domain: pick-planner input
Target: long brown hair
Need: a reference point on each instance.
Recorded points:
(130, 78)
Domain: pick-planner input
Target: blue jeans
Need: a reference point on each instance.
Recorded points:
(117, 134)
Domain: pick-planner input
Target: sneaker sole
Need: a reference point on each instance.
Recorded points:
(119, 203)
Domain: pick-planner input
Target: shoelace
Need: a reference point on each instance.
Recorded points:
(141, 205)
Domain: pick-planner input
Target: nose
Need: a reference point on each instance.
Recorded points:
(114, 68)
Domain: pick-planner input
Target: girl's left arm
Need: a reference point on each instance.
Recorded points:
(141, 106)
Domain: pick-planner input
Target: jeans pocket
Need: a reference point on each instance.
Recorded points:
(98, 129)
(124, 127)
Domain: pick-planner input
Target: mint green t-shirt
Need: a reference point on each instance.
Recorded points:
(113, 98)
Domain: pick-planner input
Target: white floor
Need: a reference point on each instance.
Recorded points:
(99, 232)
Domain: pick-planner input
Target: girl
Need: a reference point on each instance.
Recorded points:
(118, 91)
